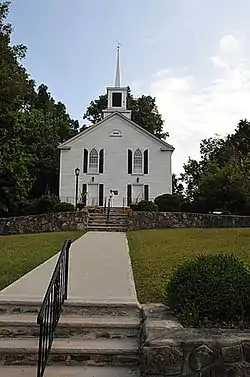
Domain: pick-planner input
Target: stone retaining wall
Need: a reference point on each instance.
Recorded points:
(162, 220)
(168, 349)
(49, 222)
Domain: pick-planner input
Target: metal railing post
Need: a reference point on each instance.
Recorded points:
(108, 212)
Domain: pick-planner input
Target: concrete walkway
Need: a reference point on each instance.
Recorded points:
(100, 270)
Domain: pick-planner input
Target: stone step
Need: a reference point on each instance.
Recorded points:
(111, 222)
(24, 325)
(65, 351)
(68, 371)
(112, 225)
(104, 218)
(103, 308)
(106, 229)
(74, 307)
(111, 213)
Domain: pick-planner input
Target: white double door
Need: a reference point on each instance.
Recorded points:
(93, 194)
(137, 193)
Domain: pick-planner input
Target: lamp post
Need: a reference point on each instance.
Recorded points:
(77, 172)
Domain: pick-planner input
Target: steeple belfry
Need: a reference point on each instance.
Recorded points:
(117, 95)
(118, 73)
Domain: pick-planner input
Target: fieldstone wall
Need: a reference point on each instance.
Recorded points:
(168, 349)
(162, 220)
(49, 222)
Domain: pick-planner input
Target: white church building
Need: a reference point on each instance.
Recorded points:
(115, 156)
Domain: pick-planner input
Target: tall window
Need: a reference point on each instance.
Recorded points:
(138, 161)
(93, 161)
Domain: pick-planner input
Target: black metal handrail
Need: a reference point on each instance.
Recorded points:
(49, 314)
(105, 205)
(108, 210)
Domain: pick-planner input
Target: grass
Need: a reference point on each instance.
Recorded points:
(21, 253)
(155, 253)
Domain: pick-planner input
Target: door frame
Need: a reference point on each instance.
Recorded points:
(96, 198)
(142, 192)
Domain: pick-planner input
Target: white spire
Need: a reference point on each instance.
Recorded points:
(118, 75)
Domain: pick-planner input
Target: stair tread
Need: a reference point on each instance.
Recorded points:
(106, 226)
(82, 321)
(75, 345)
(68, 371)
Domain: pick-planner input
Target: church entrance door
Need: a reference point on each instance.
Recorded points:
(137, 192)
(93, 194)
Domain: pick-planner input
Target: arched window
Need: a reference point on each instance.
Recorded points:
(93, 161)
(138, 161)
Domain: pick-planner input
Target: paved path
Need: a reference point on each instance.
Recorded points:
(99, 270)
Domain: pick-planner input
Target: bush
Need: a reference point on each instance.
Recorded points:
(44, 204)
(47, 203)
(64, 207)
(169, 203)
(147, 206)
(211, 290)
(134, 207)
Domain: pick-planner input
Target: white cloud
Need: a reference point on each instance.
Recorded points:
(193, 112)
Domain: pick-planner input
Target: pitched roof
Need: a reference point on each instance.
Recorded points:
(92, 128)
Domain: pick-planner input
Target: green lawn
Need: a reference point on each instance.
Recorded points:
(21, 253)
(155, 253)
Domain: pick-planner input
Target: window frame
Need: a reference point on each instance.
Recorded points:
(92, 170)
(141, 165)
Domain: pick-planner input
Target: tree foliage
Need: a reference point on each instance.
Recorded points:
(31, 125)
(144, 113)
(221, 179)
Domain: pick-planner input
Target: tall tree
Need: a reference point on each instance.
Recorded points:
(221, 179)
(16, 89)
(48, 124)
(144, 113)
(32, 125)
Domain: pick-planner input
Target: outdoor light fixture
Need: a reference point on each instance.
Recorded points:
(77, 172)
(137, 179)
(93, 179)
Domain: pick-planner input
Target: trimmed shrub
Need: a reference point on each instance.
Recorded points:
(47, 203)
(147, 206)
(44, 204)
(64, 207)
(210, 291)
(134, 207)
(169, 203)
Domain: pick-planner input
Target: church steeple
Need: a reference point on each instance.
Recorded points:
(118, 74)
(117, 95)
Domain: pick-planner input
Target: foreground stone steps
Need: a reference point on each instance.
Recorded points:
(25, 325)
(106, 308)
(95, 352)
(56, 371)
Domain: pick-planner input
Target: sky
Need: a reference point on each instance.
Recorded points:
(193, 56)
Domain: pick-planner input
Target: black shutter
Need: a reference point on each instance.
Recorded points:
(129, 195)
(130, 157)
(146, 161)
(84, 192)
(100, 194)
(146, 192)
(101, 158)
(85, 161)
